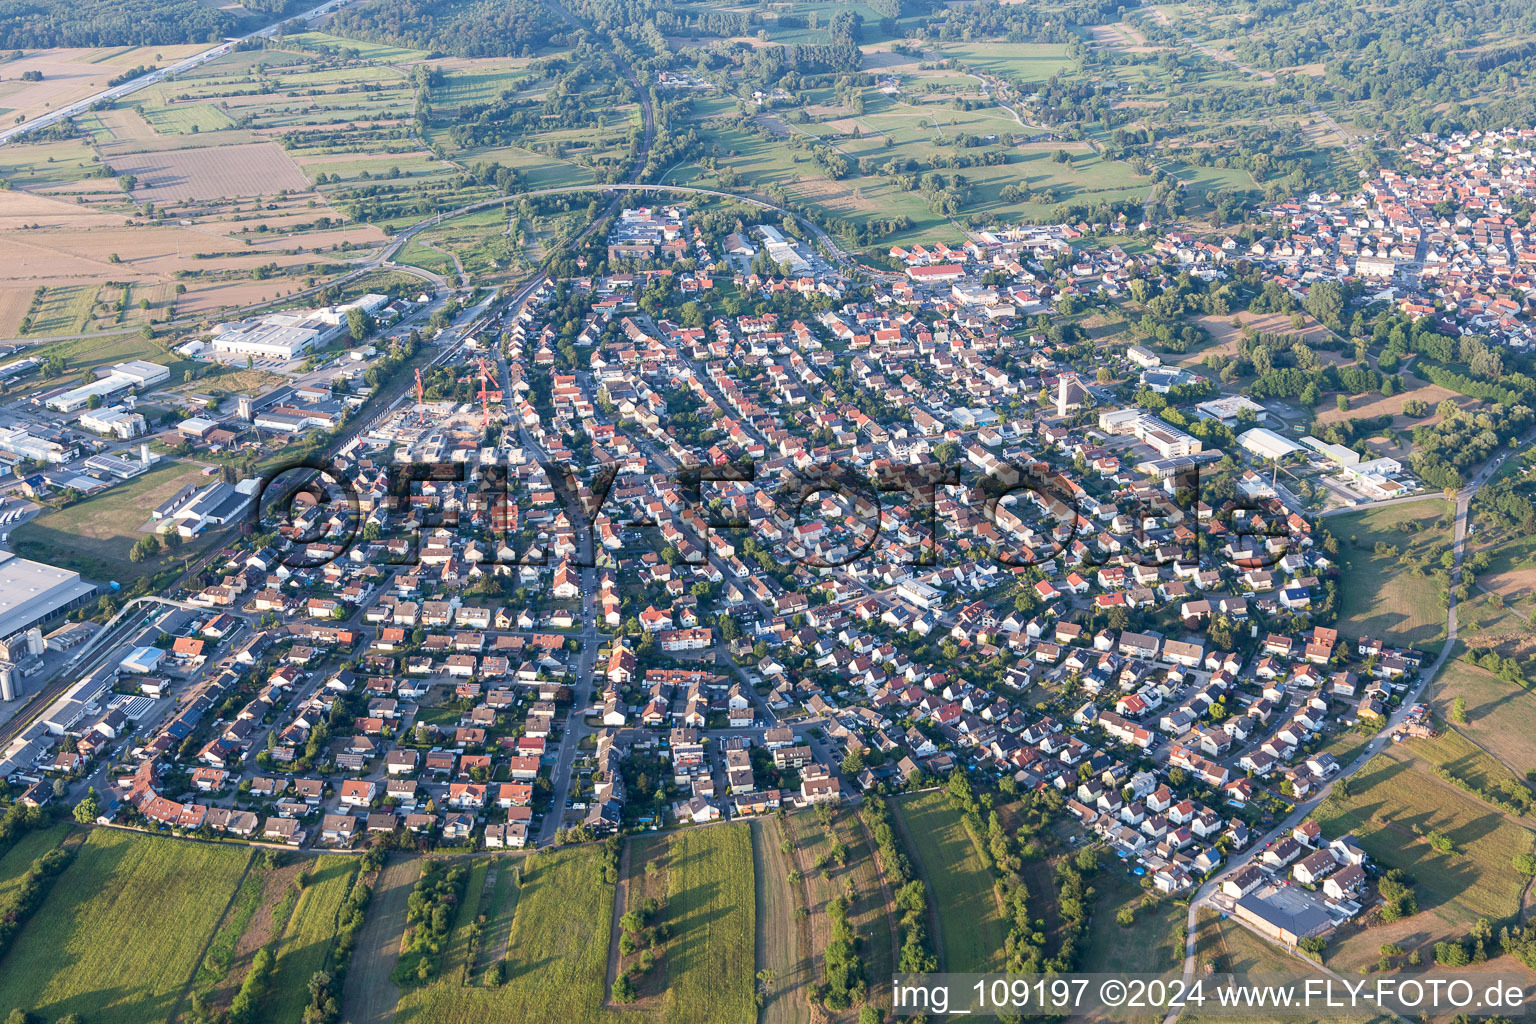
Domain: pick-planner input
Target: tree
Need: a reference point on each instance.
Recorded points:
(89, 807)
(853, 762)
(1459, 711)
(1525, 863)
(359, 324)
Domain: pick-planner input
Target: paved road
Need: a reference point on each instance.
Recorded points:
(1202, 896)
(117, 92)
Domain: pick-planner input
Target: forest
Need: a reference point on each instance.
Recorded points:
(508, 28)
(33, 24)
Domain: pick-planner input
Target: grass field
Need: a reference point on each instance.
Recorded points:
(21, 855)
(186, 118)
(306, 942)
(122, 929)
(1377, 596)
(1396, 800)
(1017, 62)
(1501, 716)
(711, 910)
(970, 923)
(63, 310)
(95, 535)
(1154, 944)
(557, 959)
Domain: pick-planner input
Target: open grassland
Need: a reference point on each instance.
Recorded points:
(96, 534)
(1501, 716)
(970, 924)
(21, 855)
(1396, 801)
(710, 909)
(1377, 596)
(1154, 944)
(1020, 63)
(122, 929)
(306, 943)
(557, 957)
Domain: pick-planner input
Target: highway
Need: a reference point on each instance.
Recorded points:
(117, 92)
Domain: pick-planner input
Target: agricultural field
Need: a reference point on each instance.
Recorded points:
(371, 994)
(1396, 800)
(60, 310)
(95, 534)
(970, 926)
(557, 956)
(783, 938)
(72, 73)
(771, 153)
(1501, 716)
(1377, 596)
(212, 172)
(122, 929)
(306, 943)
(186, 119)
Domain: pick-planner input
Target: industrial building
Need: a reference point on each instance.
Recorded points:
(136, 373)
(215, 505)
(286, 336)
(1267, 444)
(32, 592)
(27, 445)
(114, 421)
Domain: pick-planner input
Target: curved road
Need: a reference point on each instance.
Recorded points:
(1203, 894)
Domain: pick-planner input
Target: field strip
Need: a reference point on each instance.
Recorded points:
(371, 996)
(197, 961)
(779, 946)
(620, 902)
(922, 869)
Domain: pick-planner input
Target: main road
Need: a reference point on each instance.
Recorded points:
(144, 81)
(1203, 895)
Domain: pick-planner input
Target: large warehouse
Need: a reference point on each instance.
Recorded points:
(32, 592)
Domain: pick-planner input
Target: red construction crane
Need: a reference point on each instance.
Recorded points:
(421, 410)
(485, 408)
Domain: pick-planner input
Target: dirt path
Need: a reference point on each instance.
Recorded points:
(778, 944)
(620, 905)
(370, 995)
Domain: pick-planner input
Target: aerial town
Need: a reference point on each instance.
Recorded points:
(1123, 590)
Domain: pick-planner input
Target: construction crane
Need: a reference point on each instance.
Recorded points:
(487, 375)
(421, 408)
(485, 408)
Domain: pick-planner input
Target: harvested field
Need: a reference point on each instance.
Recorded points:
(213, 172)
